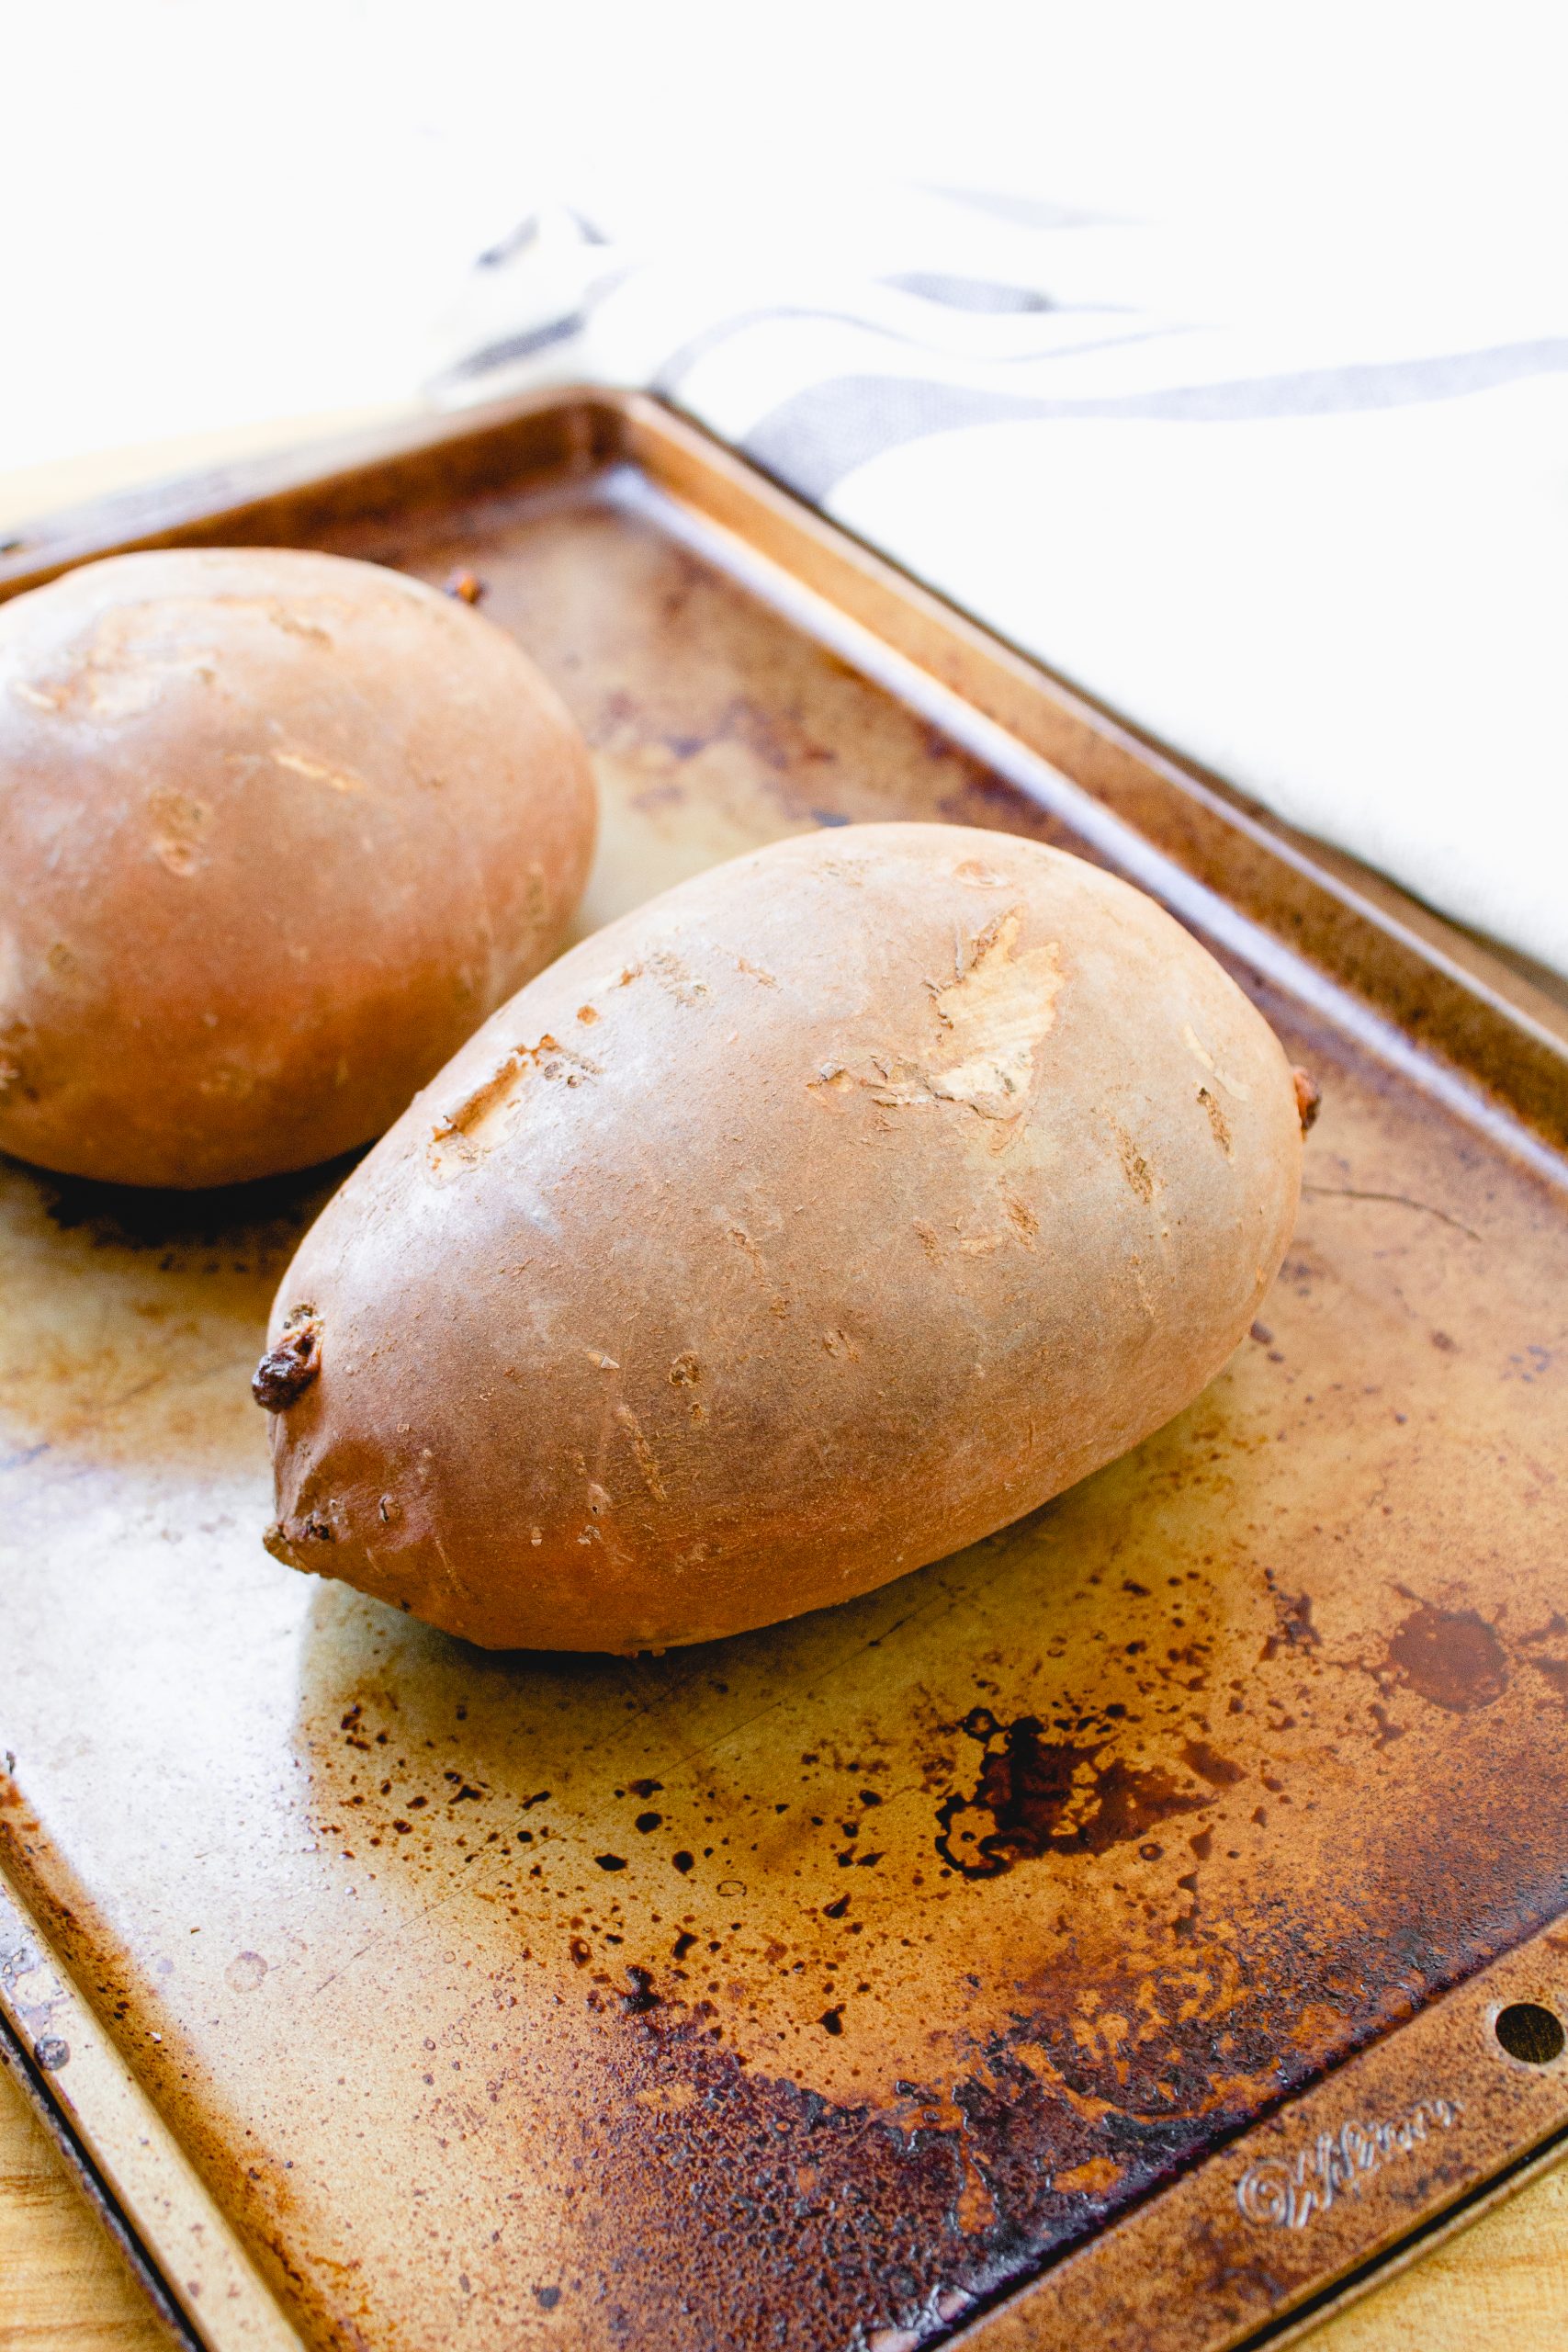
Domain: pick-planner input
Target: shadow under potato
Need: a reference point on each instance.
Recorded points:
(133, 1319)
(260, 1218)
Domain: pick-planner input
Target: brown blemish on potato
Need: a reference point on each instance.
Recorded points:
(1021, 1218)
(667, 968)
(1135, 1167)
(287, 1370)
(1216, 1119)
(587, 1015)
(755, 972)
(181, 820)
(685, 1373)
(647, 1461)
(749, 1251)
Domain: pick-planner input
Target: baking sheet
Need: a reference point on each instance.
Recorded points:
(826, 1986)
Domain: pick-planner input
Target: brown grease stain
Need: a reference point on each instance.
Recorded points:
(1056, 1796)
(1450, 1656)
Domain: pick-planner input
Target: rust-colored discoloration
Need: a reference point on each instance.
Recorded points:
(1450, 1656)
(467, 586)
(1309, 1098)
(792, 2071)
(1043, 1793)
(287, 1370)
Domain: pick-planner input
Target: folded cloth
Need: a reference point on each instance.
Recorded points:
(1321, 554)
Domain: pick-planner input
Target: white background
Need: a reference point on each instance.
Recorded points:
(213, 211)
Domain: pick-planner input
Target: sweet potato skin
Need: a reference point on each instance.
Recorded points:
(821, 1216)
(276, 831)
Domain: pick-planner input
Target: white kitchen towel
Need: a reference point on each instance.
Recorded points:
(1318, 547)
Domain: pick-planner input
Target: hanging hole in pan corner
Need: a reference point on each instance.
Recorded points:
(1531, 2033)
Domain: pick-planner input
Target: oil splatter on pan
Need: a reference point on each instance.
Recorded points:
(814, 1988)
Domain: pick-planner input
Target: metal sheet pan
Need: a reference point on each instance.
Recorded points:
(1098, 1936)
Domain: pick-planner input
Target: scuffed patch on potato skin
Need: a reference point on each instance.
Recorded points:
(989, 1022)
(461, 1137)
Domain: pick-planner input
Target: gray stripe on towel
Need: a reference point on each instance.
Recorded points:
(817, 436)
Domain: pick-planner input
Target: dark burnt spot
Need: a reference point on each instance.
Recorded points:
(1555, 1671)
(1218, 1771)
(547, 2298)
(1450, 1656)
(611, 1861)
(648, 1821)
(682, 1944)
(287, 1370)
(684, 1862)
(1055, 1796)
(802, 2220)
(645, 1788)
(642, 1996)
(836, 1910)
(1295, 1629)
